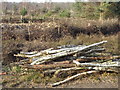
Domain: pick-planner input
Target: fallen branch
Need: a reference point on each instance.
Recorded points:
(66, 69)
(70, 78)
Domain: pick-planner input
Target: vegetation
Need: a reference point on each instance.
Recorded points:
(89, 10)
(114, 9)
(32, 79)
(65, 14)
(49, 13)
(74, 23)
(23, 12)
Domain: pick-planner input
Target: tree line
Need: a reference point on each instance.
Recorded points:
(89, 10)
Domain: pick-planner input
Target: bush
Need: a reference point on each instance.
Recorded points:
(65, 14)
(49, 13)
(23, 12)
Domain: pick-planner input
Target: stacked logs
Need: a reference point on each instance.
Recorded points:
(90, 58)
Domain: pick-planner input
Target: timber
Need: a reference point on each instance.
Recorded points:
(64, 53)
(86, 59)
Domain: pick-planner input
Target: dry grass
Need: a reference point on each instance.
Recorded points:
(38, 79)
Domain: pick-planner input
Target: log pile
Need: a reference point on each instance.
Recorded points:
(90, 58)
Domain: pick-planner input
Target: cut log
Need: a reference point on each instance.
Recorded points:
(29, 53)
(62, 62)
(64, 53)
(70, 78)
(24, 54)
(112, 64)
(97, 58)
(44, 52)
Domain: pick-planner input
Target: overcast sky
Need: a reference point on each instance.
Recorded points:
(55, 0)
(39, 0)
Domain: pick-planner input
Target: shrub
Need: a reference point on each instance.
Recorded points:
(23, 12)
(49, 13)
(64, 14)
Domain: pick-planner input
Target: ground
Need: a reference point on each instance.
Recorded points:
(96, 80)
(40, 36)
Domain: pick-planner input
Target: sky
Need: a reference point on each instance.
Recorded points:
(53, 0)
(39, 0)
